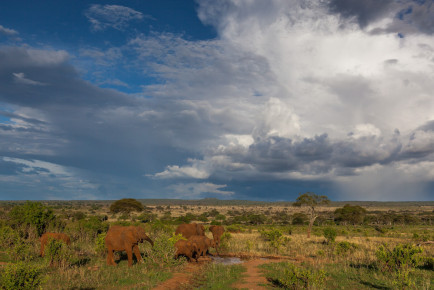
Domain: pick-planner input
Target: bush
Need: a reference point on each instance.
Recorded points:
(299, 219)
(330, 235)
(146, 217)
(21, 276)
(100, 244)
(126, 205)
(8, 237)
(224, 241)
(57, 253)
(158, 227)
(350, 214)
(345, 247)
(274, 236)
(289, 276)
(22, 250)
(34, 214)
(399, 262)
(402, 256)
(234, 229)
(86, 229)
(162, 253)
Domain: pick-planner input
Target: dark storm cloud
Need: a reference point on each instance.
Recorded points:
(45, 79)
(323, 155)
(62, 119)
(364, 11)
(410, 16)
(277, 154)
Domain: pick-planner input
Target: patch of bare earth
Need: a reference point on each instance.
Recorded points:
(253, 277)
(181, 280)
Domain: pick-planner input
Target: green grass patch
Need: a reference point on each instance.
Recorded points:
(218, 276)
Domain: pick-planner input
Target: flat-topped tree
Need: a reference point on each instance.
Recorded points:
(311, 200)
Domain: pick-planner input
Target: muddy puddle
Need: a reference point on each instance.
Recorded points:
(227, 260)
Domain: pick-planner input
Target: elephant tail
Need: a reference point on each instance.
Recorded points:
(149, 240)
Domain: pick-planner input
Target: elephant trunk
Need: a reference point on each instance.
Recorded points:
(149, 240)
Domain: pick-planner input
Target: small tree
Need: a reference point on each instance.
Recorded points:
(350, 214)
(311, 200)
(126, 205)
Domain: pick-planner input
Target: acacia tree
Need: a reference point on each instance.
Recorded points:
(311, 200)
(126, 205)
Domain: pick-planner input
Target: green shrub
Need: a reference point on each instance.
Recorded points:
(234, 229)
(146, 217)
(21, 276)
(224, 241)
(345, 248)
(274, 236)
(399, 262)
(162, 254)
(289, 276)
(330, 235)
(57, 253)
(34, 214)
(299, 219)
(402, 256)
(160, 227)
(8, 237)
(22, 250)
(100, 244)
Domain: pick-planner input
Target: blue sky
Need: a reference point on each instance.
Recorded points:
(231, 99)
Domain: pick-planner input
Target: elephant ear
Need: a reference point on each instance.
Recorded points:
(139, 233)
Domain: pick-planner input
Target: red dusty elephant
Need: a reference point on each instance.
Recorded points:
(188, 230)
(217, 232)
(125, 238)
(45, 238)
(186, 248)
(203, 244)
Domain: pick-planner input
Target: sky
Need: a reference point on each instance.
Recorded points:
(228, 99)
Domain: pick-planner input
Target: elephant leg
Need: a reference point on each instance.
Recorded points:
(137, 253)
(110, 259)
(130, 256)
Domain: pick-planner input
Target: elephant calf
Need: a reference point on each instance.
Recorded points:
(120, 238)
(217, 232)
(47, 236)
(186, 248)
(203, 244)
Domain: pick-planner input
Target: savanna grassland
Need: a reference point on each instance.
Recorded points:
(353, 245)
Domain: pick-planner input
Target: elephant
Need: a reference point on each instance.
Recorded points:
(217, 232)
(186, 248)
(188, 230)
(125, 238)
(203, 244)
(45, 238)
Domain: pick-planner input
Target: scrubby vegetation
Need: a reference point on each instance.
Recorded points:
(352, 246)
